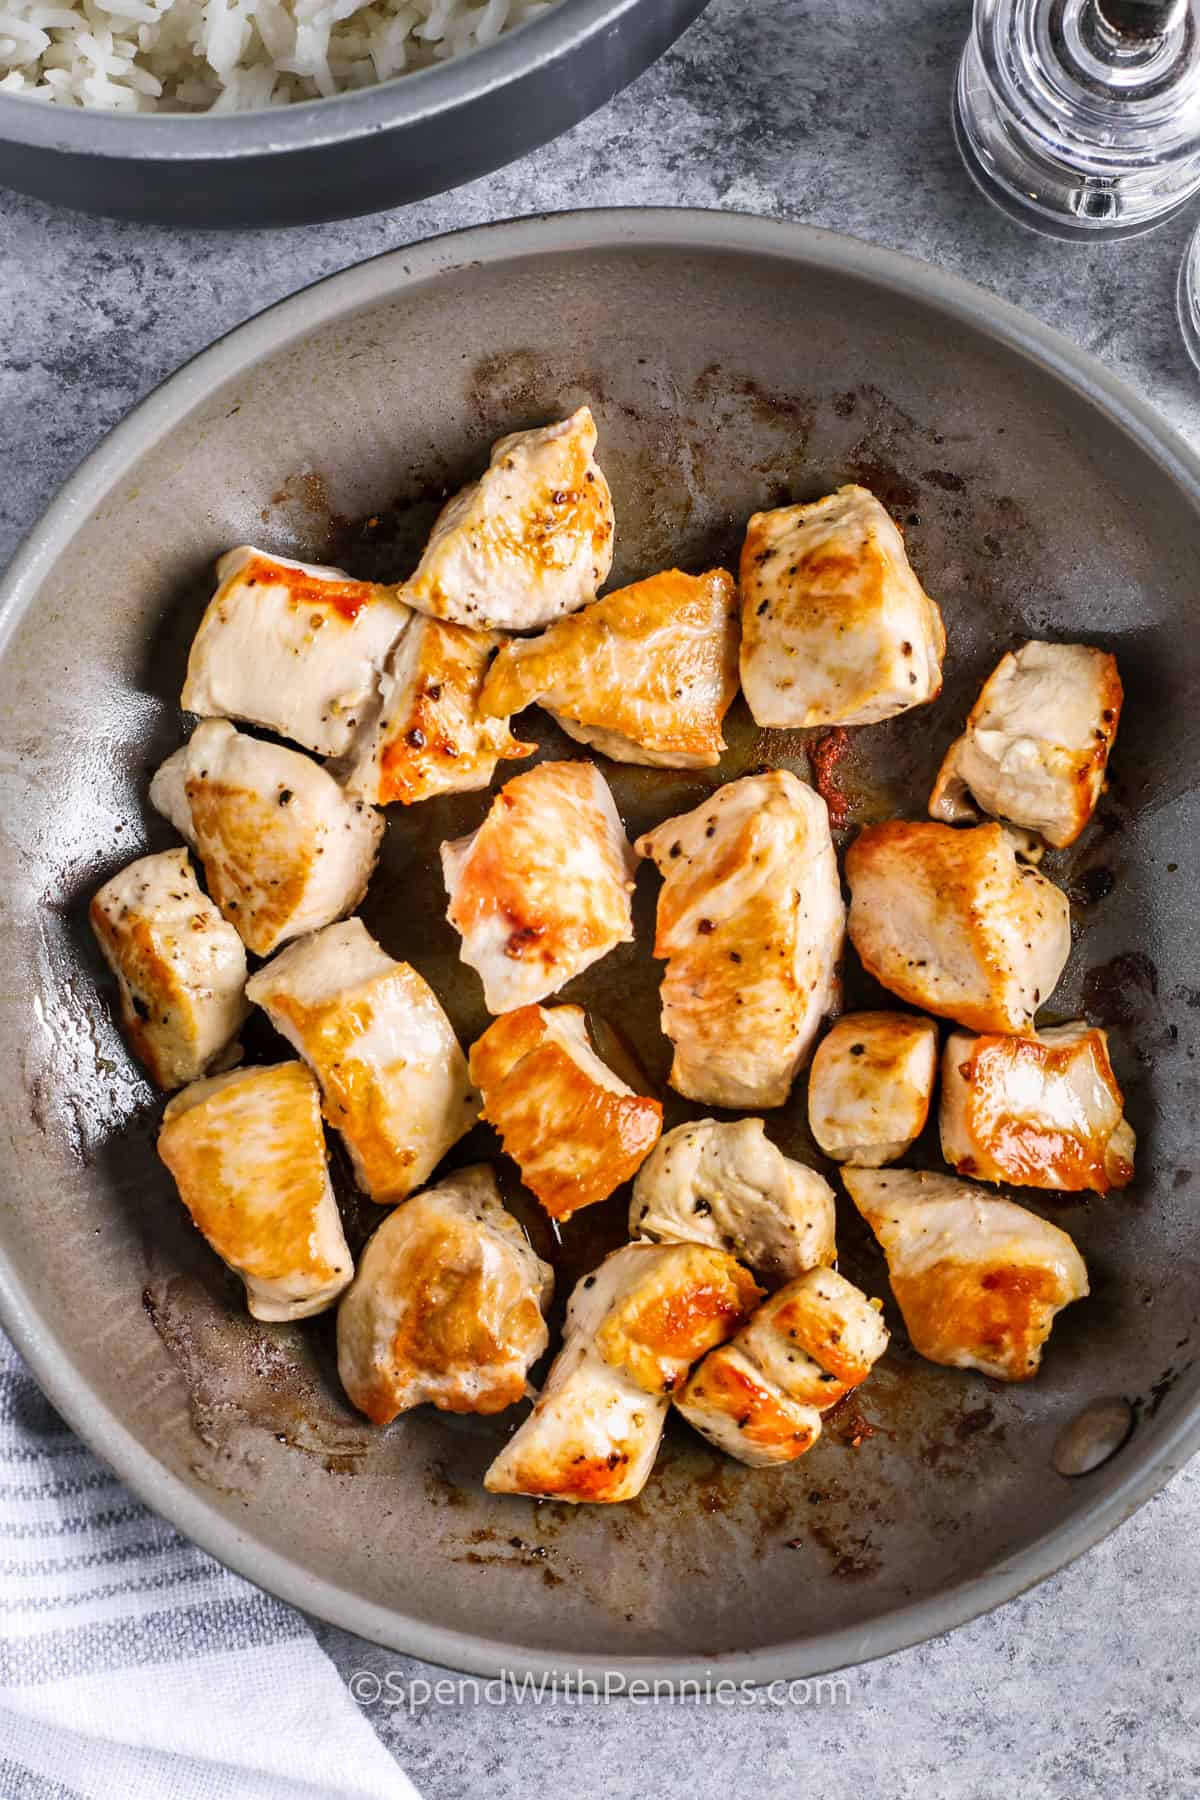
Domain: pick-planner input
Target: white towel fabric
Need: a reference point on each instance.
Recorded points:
(133, 1665)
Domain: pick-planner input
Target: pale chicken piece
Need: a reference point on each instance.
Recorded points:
(1042, 1111)
(431, 734)
(180, 969)
(633, 1329)
(292, 646)
(248, 1155)
(760, 1397)
(1036, 744)
(645, 675)
(532, 539)
(284, 850)
(542, 890)
(836, 628)
(952, 922)
(575, 1130)
(751, 924)
(392, 1074)
(978, 1279)
(729, 1186)
(447, 1305)
(870, 1086)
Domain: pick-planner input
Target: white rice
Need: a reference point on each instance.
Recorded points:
(228, 55)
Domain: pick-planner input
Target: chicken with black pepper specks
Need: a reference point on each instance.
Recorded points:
(953, 923)
(293, 647)
(760, 1396)
(836, 628)
(532, 539)
(542, 890)
(726, 1184)
(870, 1086)
(751, 924)
(284, 850)
(633, 1330)
(180, 969)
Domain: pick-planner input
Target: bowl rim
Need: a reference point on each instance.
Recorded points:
(416, 98)
(1119, 1487)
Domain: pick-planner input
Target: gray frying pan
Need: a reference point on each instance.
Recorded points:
(732, 363)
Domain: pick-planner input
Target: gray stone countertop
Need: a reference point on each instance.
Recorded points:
(838, 115)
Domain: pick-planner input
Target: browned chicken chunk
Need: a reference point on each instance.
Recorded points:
(952, 922)
(446, 1306)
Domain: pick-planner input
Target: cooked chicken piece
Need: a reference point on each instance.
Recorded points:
(760, 1396)
(284, 850)
(180, 968)
(953, 923)
(446, 1306)
(836, 628)
(978, 1279)
(529, 541)
(870, 1086)
(394, 1079)
(248, 1155)
(751, 923)
(729, 1186)
(293, 647)
(574, 1129)
(1041, 1111)
(541, 891)
(633, 1329)
(1036, 742)
(431, 735)
(645, 675)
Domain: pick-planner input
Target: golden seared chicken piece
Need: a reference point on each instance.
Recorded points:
(180, 969)
(532, 539)
(431, 735)
(285, 851)
(248, 1155)
(394, 1079)
(541, 891)
(633, 1330)
(293, 647)
(978, 1279)
(1036, 742)
(645, 675)
(870, 1086)
(751, 923)
(760, 1396)
(836, 628)
(574, 1129)
(446, 1306)
(1042, 1111)
(729, 1186)
(953, 923)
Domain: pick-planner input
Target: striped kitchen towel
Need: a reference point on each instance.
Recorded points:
(133, 1666)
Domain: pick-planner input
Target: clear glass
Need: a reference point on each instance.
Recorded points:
(1189, 298)
(1081, 118)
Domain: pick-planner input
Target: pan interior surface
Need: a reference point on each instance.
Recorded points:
(725, 376)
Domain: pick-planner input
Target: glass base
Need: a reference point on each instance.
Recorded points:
(1022, 205)
(1188, 298)
(1073, 130)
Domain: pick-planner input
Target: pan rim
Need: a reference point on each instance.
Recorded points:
(370, 283)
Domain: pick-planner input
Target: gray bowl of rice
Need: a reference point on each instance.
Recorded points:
(269, 112)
